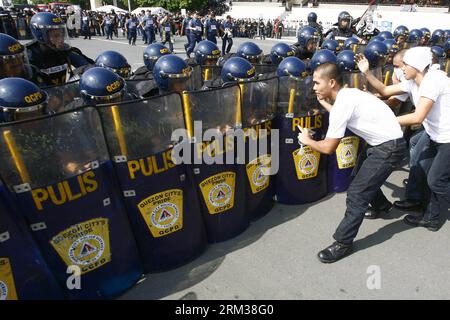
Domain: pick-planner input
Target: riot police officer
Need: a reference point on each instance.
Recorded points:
(21, 99)
(308, 40)
(293, 67)
(415, 37)
(250, 51)
(101, 86)
(331, 45)
(50, 52)
(227, 35)
(278, 53)
(14, 61)
(437, 37)
(386, 35)
(343, 30)
(320, 57)
(376, 53)
(151, 54)
(172, 74)
(351, 44)
(401, 34)
(312, 22)
(237, 69)
(115, 62)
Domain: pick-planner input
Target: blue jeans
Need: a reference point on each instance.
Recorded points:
(365, 188)
(417, 189)
(434, 161)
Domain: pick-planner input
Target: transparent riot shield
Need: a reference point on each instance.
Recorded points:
(60, 96)
(219, 181)
(259, 105)
(196, 80)
(59, 171)
(141, 87)
(211, 73)
(445, 65)
(266, 68)
(24, 275)
(354, 80)
(302, 177)
(160, 196)
(388, 72)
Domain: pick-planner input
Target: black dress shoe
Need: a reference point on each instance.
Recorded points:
(373, 213)
(408, 205)
(334, 252)
(420, 222)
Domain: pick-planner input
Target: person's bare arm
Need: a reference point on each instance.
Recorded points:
(385, 91)
(423, 106)
(325, 104)
(326, 146)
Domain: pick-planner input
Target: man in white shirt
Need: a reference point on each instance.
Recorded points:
(433, 148)
(371, 119)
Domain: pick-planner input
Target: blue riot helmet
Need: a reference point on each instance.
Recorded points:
(331, 45)
(312, 17)
(426, 34)
(346, 61)
(446, 34)
(350, 43)
(48, 29)
(152, 53)
(114, 61)
(100, 86)
(386, 35)
(250, 51)
(321, 57)
(237, 69)
(392, 46)
(376, 52)
(308, 38)
(376, 38)
(281, 51)
(344, 16)
(207, 53)
(401, 33)
(438, 53)
(415, 36)
(13, 58)
(293, 67)
(21, 99)
(447, 47)
(171, 73)
(437, 37)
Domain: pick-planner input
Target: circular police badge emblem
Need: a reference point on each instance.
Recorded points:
(347, 154)
(258, 177)
(165, 215)
(86, 250)
(307, 164)
(3, 291)
(220, 195)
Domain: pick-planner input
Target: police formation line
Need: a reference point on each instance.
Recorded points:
(88, 177)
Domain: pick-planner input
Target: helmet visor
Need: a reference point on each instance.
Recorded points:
(15, 65)
(56, 37)
(23, 113)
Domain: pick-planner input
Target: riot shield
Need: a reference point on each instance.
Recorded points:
(259, 104)
(141, 87)
(59, 171)
(302, 177)
(266, 68)
(445, 65)
(388, 72)
(23, 28)
(60, 96)
(196, 80)
(220, 185)
(354, 80)
(24, 275)
(211, 73)
(160, 196)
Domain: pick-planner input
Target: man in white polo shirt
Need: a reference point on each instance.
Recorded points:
(371, 119)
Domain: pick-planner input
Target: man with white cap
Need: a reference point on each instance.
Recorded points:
(433, 110)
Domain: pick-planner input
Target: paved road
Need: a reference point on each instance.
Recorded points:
(275, 258)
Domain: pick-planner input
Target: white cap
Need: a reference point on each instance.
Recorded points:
(418, 57)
